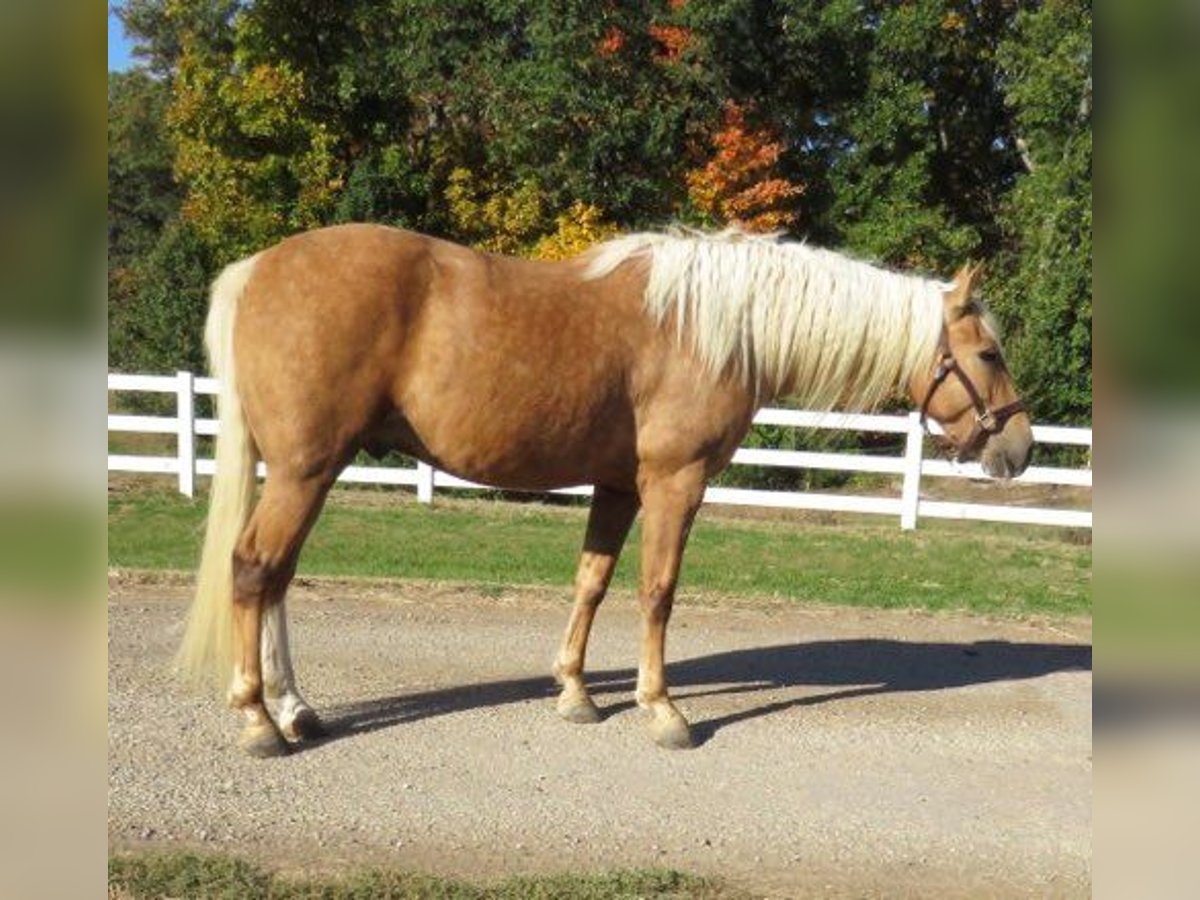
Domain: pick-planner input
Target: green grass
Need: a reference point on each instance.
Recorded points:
(185, 875)
(943, 565)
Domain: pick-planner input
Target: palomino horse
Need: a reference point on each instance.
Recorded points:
(636, 367)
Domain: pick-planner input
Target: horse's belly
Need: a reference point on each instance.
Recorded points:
(519, 449)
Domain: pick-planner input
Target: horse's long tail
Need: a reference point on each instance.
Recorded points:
(207, 648)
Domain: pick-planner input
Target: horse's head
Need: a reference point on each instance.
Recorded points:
(970, 391)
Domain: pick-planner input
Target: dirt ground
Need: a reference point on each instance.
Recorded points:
(841, 752)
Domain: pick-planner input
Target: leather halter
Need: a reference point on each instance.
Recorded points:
(987, 421)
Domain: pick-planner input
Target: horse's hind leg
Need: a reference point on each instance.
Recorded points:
(263, 564)
(608, 524)
(296, 719)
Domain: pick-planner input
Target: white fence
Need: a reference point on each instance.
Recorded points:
(912, 465)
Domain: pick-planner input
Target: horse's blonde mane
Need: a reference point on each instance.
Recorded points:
(791, 319)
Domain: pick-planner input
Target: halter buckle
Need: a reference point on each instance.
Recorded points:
(987, 420)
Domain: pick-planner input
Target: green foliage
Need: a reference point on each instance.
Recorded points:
(1044, 292)
(142, 196)
(160, 28)
(919, 134)
(159, 327)
(902, 141)
(385, 186)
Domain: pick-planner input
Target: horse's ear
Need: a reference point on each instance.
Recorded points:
(974, 277)
(958, 297)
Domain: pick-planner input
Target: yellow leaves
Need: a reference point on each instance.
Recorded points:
(496, 220)
(256, 166)
(577, 229)
(318, 171)
(516, 220)
(737, 185)
(954, 21)
(268, 99)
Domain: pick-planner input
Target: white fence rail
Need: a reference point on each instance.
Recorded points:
(912, 466)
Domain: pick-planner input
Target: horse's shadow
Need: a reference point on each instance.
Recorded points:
(855, 668)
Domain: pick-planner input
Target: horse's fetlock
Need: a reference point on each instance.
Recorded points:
(245, 690)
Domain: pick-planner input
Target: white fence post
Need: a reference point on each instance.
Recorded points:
(186, 419)
(424, 482)
(910, 492)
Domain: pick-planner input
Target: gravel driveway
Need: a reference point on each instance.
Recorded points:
(842, 752)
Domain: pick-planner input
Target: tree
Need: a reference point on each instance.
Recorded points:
(1044, 288)
(918, 133)
(737, 185)
(159, 28)
(920, 137)
(576, 97)
(160, 329)
(142, 195)
(796, 65)
(256, 165)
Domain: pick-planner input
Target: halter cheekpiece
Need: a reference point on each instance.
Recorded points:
(988, 421)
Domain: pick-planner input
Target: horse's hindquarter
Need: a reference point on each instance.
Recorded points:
(315, 338)
(517, 373)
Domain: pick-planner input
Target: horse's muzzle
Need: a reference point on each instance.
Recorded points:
(1006, 454)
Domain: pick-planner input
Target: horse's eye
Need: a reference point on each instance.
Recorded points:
(990, 356)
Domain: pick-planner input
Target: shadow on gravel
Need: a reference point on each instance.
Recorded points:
(858, 668)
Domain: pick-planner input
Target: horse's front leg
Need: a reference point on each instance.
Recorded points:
(611, 515)
(670, 501)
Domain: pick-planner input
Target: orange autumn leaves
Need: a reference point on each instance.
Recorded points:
(739, 184)
(669, 40)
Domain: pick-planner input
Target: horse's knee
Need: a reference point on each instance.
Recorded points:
(591, 582)
(656, 601)
(590, 590)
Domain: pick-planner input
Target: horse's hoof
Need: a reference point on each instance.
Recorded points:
(672, 733)
(306, 726)
(262, 742)
(580, 710)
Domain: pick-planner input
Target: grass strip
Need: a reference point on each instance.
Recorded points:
(981, 568)
(151, 876)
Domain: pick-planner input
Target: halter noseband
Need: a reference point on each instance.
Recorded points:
(987, 421)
